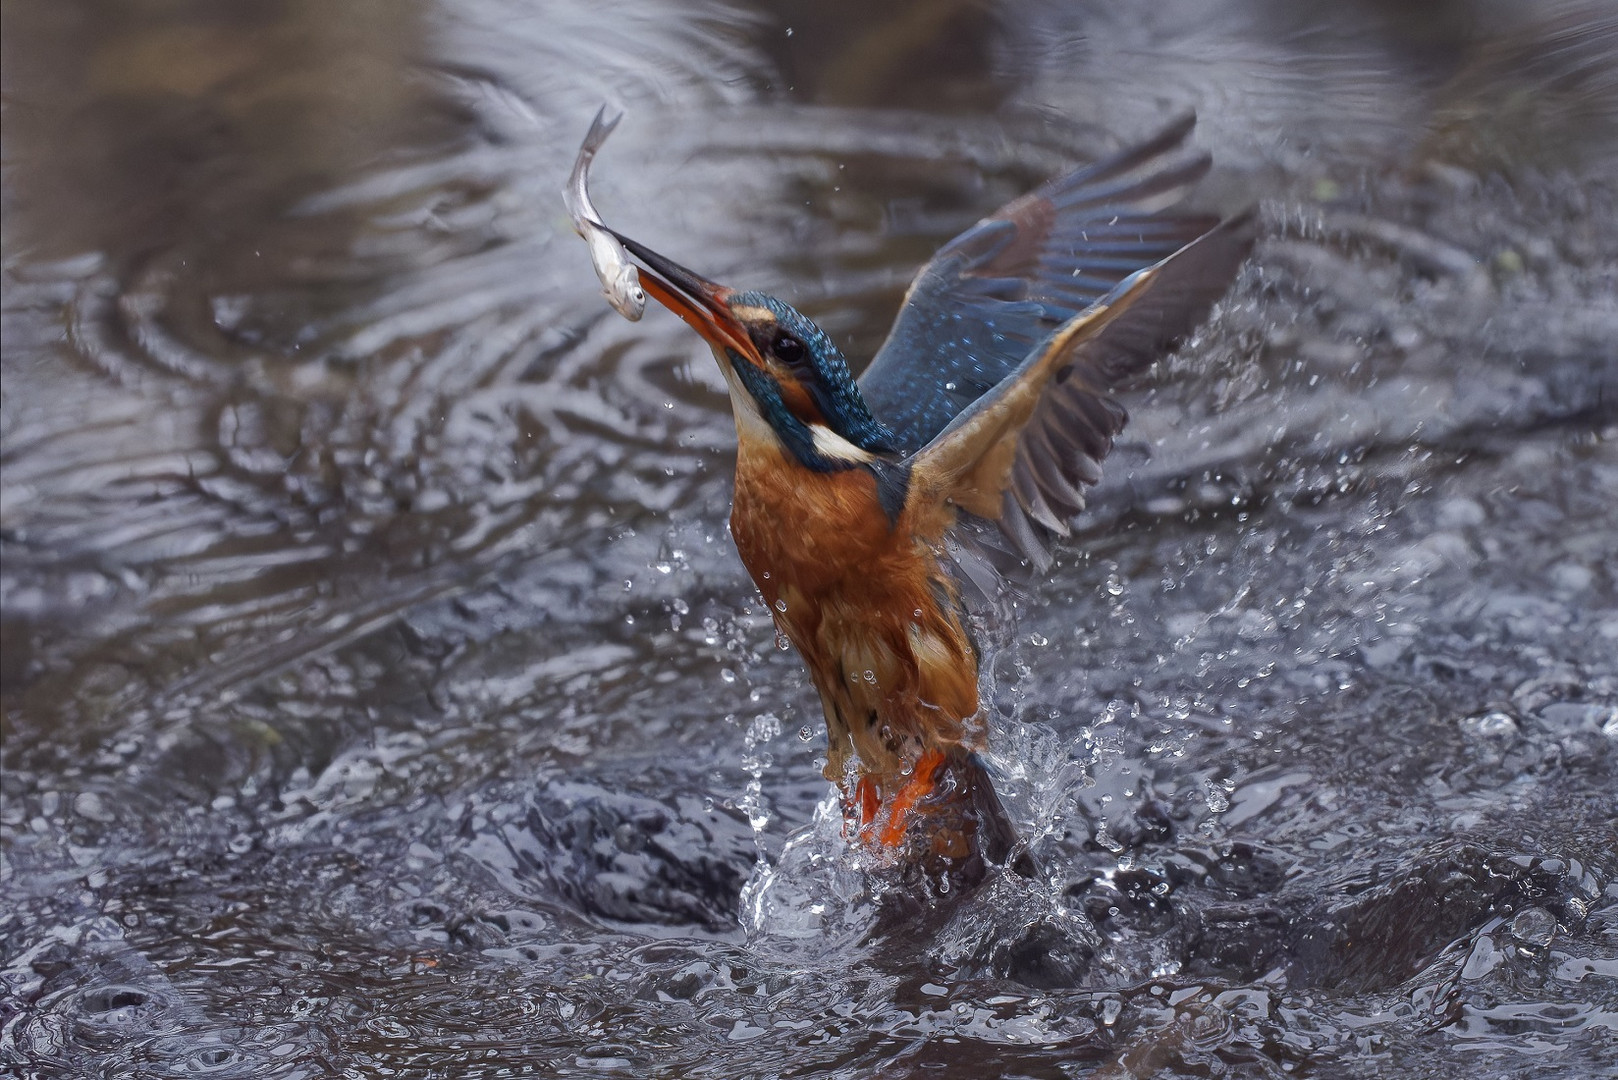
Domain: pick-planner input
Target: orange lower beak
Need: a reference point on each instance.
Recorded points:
(698, 301)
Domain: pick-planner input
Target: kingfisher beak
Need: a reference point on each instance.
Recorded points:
(698, 301)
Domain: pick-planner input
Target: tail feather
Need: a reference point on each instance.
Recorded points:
(997, 837)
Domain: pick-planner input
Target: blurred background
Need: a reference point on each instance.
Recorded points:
(381, 693)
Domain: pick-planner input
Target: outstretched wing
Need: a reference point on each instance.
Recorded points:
(1022, 453)
(983, 302)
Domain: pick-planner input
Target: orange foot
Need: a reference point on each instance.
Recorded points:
(881, 816)
(918, 787)
(869, 802)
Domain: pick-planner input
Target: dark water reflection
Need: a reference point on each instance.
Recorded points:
(381, 694)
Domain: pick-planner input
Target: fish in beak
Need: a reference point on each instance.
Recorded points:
(702, 304)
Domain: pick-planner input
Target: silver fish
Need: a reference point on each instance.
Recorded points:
(619, 278)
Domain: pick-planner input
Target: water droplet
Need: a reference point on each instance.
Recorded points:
(1038, 639)
(1534, 927)
(780, 605)
(727, 675)
(916, 613)
(1492, 724)
(805, 733)
(870, 676)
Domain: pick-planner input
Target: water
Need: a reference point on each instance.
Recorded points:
(381, 693)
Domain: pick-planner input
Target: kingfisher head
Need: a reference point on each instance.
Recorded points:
(786, 377)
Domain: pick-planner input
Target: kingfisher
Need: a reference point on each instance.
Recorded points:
(989, 405)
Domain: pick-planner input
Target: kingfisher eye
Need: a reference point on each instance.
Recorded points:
(787, 349)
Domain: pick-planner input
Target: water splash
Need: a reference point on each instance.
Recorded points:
(325, 705)
(819, 896)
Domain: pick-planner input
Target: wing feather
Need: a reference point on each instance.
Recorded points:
(1021, 453)
(1020, 531)
(978, 306)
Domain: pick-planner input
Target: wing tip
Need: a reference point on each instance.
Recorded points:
(1244, 220)
(1229, 243)
(1022, 533)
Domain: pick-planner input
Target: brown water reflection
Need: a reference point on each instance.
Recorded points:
(380, 690)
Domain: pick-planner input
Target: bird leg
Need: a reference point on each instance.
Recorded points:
(884, 814)
(917, 787)
(942, 815)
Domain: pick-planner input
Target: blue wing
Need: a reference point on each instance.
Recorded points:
(1022, 454)
(991, 294)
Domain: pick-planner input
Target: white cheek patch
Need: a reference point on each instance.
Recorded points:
(750, 423)
(830, 444)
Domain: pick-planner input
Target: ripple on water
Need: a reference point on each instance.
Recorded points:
(335, 740)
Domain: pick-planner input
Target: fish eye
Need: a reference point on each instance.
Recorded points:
(787, 349)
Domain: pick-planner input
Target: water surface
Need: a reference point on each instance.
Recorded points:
(382, 694)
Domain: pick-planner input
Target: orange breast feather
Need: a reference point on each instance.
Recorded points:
(868, 605)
